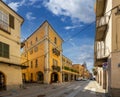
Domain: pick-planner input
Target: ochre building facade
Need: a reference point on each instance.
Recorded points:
(42, 53)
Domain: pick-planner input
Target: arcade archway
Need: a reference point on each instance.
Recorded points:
(54, 77)
(40, 77)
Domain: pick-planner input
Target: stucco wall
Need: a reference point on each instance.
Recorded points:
(12, 76)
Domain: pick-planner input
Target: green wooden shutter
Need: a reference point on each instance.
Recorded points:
(6, 50)
(0, 49)
(11, 21)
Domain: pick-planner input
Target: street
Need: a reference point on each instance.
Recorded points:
(66, 89)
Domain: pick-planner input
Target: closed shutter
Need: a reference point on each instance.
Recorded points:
(0, 49)
(11, 21)
(6, 51)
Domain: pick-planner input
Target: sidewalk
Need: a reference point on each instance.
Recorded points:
(99, 91)
(92, 90)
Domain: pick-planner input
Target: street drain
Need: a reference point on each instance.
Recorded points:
(41, 96)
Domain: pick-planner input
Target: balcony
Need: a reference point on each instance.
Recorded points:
(56, 52)
(101, 28)
(102, 21)
(56, 68)
(100, 7)
(100, 56)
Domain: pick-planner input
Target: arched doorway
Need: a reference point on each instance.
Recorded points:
(2, 81)
(54, 77)
(66, 77)
(40, 77)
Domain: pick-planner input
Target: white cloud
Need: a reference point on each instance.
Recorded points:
(29, 16)
(72, 27)
(82, 10)
(33, 1)
(16, 5)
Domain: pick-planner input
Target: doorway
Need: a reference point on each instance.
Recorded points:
(2, 81)
(54, 77)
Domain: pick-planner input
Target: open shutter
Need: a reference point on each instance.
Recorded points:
(6, 50)
(0, 49)
(11, 21)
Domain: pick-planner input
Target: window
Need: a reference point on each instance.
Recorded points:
(4, 50)
(55, 62)
(31, 42)
(31, 51)
(55, 40)
(11, 21)
(31, 64)
(36, 63)
(36, 39)
(36, 49)
(4, 21)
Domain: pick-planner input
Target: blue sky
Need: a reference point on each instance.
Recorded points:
(73, 20)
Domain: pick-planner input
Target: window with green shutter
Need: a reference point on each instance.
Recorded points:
(11, 21)
(4, 50)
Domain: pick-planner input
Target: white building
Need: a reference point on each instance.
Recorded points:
(107, 45)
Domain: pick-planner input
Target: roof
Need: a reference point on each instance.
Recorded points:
(41, 26)
(12, 10)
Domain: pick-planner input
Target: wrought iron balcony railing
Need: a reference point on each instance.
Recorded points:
(56, 68)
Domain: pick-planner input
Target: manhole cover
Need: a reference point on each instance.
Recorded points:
(41, 96)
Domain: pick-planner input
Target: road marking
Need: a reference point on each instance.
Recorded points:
(70, 86)
(77, 87)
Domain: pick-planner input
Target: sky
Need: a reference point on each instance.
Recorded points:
(73, 20)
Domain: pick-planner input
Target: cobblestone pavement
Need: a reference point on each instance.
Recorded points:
(67, 89)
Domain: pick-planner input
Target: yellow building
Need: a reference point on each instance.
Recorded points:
(80, 70)
(10, 68)
(69, 73)
(42, 52)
